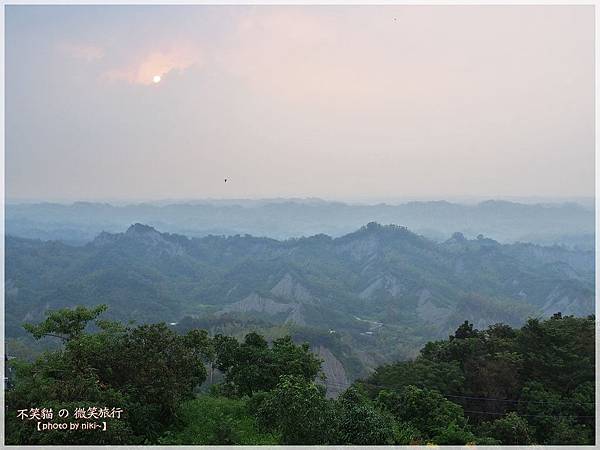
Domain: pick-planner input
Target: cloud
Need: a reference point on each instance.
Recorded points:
(302, 57)
(81, 51)
(155, 62)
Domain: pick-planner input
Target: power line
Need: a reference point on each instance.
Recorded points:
(472, 397)
(465, 396)
(517, 401)
(342, 385)
(526, 415)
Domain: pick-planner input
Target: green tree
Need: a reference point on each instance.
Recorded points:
(509, 430)
(253, 366)
(543, 371)
(424, 373)
(298, 410)
(66, 323)
(359, 422)
(436, 418)
(559, 352)
(146, 370)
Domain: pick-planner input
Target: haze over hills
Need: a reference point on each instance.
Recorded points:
(570, 224)
(213, 210)
(368, 297)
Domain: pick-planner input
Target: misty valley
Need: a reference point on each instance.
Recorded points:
(359, 320)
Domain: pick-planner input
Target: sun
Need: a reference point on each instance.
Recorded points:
(156, 78)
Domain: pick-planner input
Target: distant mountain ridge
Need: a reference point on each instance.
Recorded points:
(563, 223)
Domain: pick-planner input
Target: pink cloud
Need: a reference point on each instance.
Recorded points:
(156, 62)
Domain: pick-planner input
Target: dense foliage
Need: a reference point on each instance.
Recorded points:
(224, 421)
(253, 366)
(146, 371)
(533, 385)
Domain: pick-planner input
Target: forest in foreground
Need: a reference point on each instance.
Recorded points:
(147, 384)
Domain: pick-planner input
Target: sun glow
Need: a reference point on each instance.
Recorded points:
(156, 79)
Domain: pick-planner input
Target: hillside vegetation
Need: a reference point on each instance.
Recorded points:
(361, 300)
(501, 385)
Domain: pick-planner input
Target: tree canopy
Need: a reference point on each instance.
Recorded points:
(534, 385)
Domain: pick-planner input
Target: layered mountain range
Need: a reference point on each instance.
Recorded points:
(362, 299)
(570, 224)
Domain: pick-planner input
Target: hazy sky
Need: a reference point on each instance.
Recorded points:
(343, 102)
